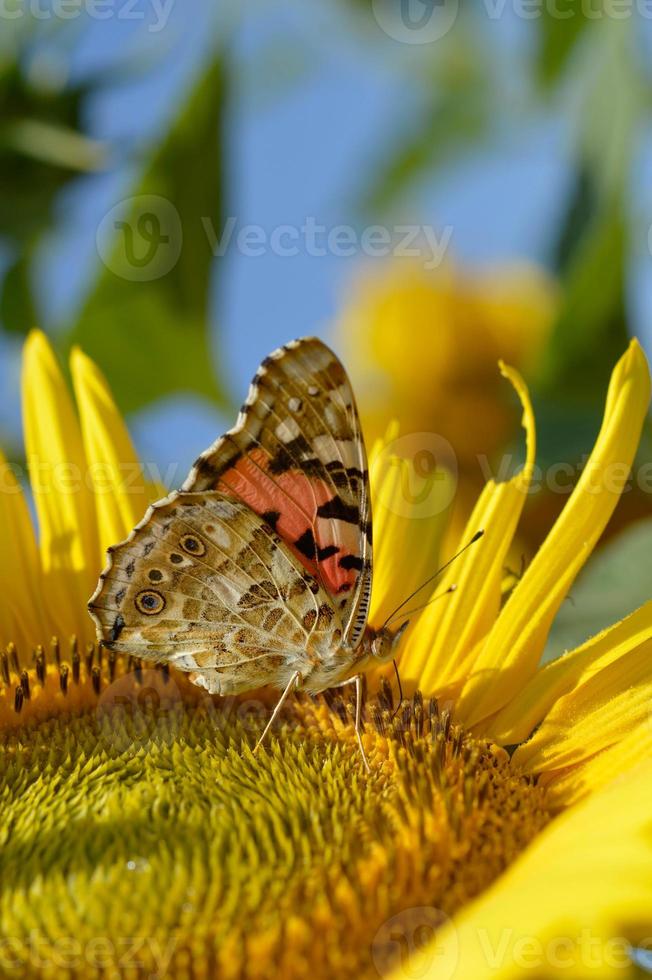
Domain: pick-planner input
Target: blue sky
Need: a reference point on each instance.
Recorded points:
(301, 146)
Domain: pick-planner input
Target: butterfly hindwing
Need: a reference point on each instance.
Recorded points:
(204, 583)
(297, 458)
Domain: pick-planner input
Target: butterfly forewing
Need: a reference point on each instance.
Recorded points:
(204, 583)
(297, 458)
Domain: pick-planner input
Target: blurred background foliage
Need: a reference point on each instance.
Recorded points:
(563, 320)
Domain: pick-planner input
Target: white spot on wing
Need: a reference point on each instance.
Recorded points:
(287, 430)
(220, 536)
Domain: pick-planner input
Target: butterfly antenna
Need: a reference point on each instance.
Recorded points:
(400, 688)
(440, 595)
(476, 537)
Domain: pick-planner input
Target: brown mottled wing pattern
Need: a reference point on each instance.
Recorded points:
(204, 583)
(297, 458)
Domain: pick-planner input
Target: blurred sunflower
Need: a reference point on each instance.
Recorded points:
(140, 836)
(440, 333)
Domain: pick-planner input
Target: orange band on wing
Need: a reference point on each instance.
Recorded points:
(290, 501)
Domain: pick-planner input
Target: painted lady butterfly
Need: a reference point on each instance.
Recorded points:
(258, 571)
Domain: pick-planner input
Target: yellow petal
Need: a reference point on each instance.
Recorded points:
(514, 647)
(570, 905)
(22, 618)
(518, 719)
(391, 433)
(410, 517)
(62, 497)
(439, 650)
(568, 787)
(598, 713)
(121, 496)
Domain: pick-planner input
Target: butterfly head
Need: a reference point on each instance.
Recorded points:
(385, 642)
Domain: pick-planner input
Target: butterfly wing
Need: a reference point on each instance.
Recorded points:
(297, 458)
(205, 584)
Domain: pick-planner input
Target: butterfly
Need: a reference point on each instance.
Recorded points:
(258, 570)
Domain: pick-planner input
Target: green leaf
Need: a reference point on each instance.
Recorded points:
(17, 311)
(590, 333)
(591, 330)
(558, 38)
(593, 250)
(614, 583)
(146, 320)
(445, 130)
(455, 115)
(42, 148)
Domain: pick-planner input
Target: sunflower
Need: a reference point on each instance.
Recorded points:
(505, 828)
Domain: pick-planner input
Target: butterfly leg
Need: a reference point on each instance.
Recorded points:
(358, 718)
(294, 681)
(357, 680)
